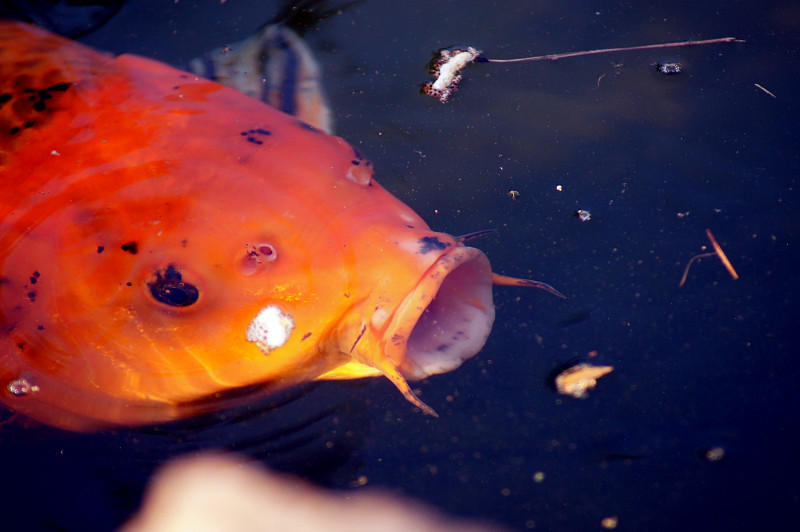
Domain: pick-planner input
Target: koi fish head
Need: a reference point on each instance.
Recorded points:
(166, 241)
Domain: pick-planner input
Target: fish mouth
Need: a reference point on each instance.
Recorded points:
(446, 318)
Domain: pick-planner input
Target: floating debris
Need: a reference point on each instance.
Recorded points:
(714, 454)
(446, 71)
(669, 69)
(718, 252)
(764, 89)
(583, 215)
(580, 378)
(448, 63)
(610, 522)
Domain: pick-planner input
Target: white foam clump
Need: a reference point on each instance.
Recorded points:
(446, 70)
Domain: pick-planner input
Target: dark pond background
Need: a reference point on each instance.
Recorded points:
(656, 160)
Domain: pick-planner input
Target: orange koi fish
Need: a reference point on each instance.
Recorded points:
(168, 244)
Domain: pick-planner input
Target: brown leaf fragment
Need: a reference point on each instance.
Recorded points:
(580, 378)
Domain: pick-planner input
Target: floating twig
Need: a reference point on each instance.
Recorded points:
(765, 90)
(691, 261)
(447, 63)
(554, 57)
(598, 80)
(717, 251)
(722, 256)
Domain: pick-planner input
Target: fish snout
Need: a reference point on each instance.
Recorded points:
(446, 318)
(443, 320)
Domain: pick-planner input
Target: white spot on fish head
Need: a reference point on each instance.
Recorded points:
(409, 218)
(409, 244)
(379, 317)
(270, 328)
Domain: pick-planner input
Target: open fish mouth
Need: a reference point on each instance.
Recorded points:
(446, 318)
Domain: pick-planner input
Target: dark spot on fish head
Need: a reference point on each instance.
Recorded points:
(169, 288)
(131, 247)
(308, 127)
(256, 257)
(60, 87)
(431, 243)
(360, 170)
(25, 106)
(359, 159)
(253, 134)
(100, 249)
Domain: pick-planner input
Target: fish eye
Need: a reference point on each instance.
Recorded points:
(170, 288)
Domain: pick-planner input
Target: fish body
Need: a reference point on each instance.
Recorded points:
(168, 244)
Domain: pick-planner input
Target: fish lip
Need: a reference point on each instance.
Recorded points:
(446, 318)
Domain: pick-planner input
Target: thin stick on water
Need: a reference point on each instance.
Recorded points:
(448, 63)
(721, 254)
(691, 261)
(718, 252)
(554, 57)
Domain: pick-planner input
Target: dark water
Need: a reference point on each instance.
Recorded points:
(657, 160)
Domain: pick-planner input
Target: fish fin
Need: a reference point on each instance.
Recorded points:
(350, 370)
(393, 375)
(515, 281)
(275, 66)
(357, 370)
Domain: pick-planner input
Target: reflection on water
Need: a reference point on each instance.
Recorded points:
(93, 481)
